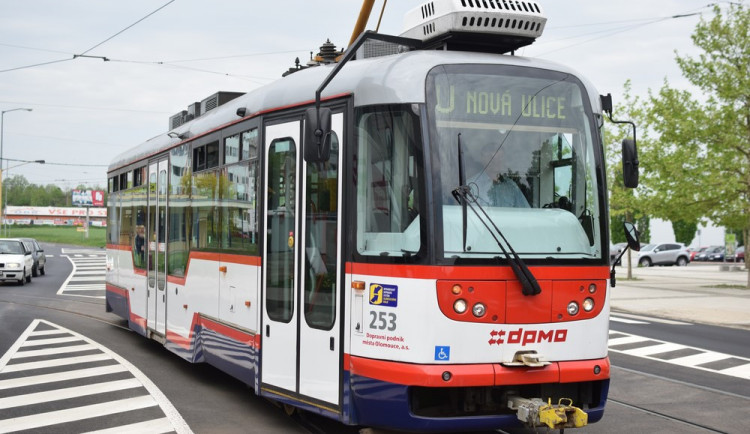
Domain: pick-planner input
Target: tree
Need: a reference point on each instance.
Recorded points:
(684, 231)
(625, 204)
(696, 156)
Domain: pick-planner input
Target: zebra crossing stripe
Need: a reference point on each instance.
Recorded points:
(62, 376)
(88, 275)
(73, 414)
(50, 351)
(56, 362)
(668, 352)
(55, 401)
(156, 426)
(70, 392)
(52, 341)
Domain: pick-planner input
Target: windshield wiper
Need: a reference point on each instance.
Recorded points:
(462, 182)
(467, 199)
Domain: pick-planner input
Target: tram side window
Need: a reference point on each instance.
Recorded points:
(180, 211)
(241, 147)
(232, 149)
(124, 231)
(139, 175)
(206, 156)
(388, 185)
(204, 233)
(138, 226)
(124, 181)
(249, 145)
(239, 225)
(113, 215)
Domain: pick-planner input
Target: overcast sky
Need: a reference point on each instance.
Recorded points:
(86, 110)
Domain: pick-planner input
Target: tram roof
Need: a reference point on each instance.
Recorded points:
(380, 80)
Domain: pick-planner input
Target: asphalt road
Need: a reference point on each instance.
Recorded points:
(651, 391)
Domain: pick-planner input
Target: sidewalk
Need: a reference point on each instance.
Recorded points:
(696, 293)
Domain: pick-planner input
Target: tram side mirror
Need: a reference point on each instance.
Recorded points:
(632, 236)
(630, 163)
(317, 139)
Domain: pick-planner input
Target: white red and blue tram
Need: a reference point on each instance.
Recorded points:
(424, 247)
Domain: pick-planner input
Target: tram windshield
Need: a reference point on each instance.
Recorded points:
(529, 161)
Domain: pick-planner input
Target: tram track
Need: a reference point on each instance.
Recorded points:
(64, 310)
(666, 416)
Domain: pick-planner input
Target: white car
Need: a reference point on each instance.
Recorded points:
(663, 254)
(16, 261)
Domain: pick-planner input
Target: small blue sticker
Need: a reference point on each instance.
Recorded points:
(383, 295)
(442, 354)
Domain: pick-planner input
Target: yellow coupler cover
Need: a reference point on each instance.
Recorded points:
(562, 415)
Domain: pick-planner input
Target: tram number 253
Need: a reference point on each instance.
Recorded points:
(382, 321)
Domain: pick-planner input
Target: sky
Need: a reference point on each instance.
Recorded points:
(163, 55)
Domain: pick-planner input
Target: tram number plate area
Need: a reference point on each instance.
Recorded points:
(381, 334)
(383, 321)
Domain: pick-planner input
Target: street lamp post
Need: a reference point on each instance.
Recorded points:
(2, 126)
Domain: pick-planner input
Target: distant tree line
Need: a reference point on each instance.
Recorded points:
(18, 191)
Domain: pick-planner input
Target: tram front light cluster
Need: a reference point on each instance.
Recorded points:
(472, 300)
(479, 309)
(588, 304)
(460, 306)
(573, 308)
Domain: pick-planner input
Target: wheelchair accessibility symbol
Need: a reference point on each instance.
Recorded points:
(442, 354)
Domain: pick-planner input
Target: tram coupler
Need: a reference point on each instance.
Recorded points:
(536, 412)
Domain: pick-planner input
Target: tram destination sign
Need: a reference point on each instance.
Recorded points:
(506, 100)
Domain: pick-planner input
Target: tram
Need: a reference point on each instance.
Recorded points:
(414, 237)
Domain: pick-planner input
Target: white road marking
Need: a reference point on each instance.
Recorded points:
(88, 266)
(692, 361)
(52, 341)
(78, 413)
(56, 362)
(156, 426)
(50, 351)
(626, 321)
(63, 376)
(70, 392)
(171, 420)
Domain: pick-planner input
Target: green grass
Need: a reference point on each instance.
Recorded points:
(59, 234)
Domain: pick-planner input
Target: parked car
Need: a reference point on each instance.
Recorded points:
(663, 254)
(696, 251)
(40, 260)
(704, 254)
(717, 255)
(16, 261)
(615, 250)
(738, 255)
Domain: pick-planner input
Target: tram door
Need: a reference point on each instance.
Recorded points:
(157, 246)
(300, 347)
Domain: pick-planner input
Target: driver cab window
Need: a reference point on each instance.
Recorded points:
(388, 186)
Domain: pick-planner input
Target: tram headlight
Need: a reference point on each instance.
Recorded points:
(456, 290)
(460, 305)
(573, 308)
(588, 304)
(479, 310)
(592, 288)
